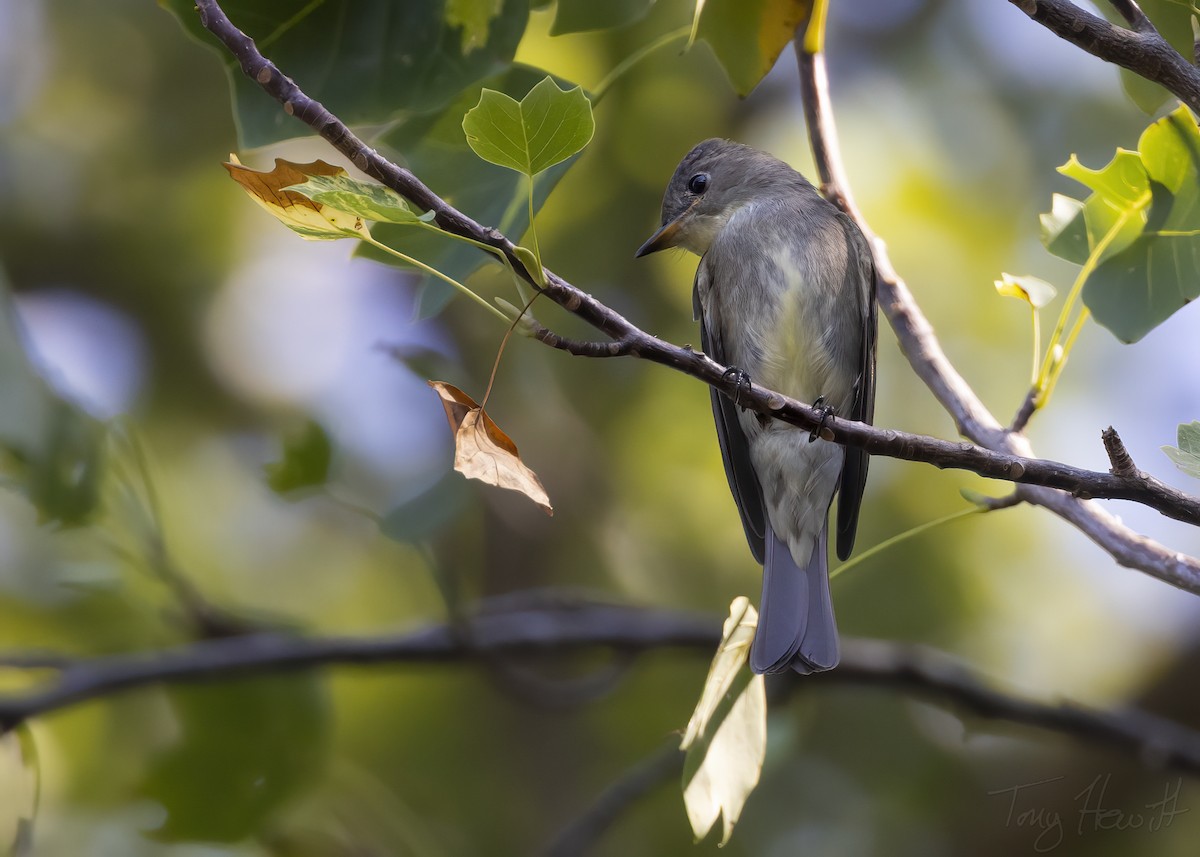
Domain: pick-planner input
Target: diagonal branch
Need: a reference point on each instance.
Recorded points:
(920, 345)
(1142, 50)
(997, 454)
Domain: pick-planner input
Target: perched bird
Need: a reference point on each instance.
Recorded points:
(785, 296)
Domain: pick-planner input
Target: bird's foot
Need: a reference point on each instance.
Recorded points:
(827, 413)
(741, 382)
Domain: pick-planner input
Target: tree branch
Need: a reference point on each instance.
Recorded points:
(1142, 50)
(920, 345)
(910, 669)
(996, 455)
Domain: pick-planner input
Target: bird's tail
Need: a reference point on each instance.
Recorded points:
(796, 628)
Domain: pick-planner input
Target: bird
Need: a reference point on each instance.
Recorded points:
(785, 296)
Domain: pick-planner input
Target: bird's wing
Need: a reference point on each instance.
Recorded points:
(735, 450)
(854, 471)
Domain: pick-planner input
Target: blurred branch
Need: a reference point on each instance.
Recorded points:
(630, 630)
(1142, 50)
(920, 345)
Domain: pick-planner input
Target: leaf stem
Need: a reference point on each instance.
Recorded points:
(904, 536)
(537, 250)
(417, 263)
(634, 58)
(814, 34)
(1037, 345)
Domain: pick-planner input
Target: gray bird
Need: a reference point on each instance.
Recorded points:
(785, 295)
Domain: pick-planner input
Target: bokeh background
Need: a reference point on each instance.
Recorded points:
(151, 290)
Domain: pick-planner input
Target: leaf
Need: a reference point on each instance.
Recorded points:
(577, 16)
(20, 784)
(1119, 202)
(368, 61)
(312, 220)
(1187, 456)
(748, 36)
(368, 200)
(1034, 291)
(434, 147)
(473, 17)
(55, 449)
(544, 128)
(1063, 231)
(307, 455)
(254, 743)
(483, 451)
(726, 739)
(1135, 290)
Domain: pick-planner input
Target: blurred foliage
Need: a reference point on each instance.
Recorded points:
(145, 286)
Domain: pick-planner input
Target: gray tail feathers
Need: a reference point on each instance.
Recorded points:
(796, 628)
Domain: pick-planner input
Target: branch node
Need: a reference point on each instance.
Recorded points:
(775, 402)
(1118, 455)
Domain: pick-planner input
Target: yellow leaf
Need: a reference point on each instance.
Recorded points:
(312, 220)
(483, 451)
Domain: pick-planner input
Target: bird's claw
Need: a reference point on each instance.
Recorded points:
(827, 413)
(741, 381)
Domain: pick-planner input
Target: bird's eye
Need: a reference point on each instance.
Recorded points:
(698, 183)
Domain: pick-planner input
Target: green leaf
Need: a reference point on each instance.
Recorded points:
(1034, 291)
(748, 35)
(1138, 288)
(54, 449)
(577, 16)
(244, 749)
(305, 463)
(544, 128)
(433, 146)
(1119, 202)
(368, 61)
(368, 200)
(1187, 456)
(726, 738)
(1063, 231)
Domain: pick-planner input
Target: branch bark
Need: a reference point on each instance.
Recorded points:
(1142, 50)
(909, 669)
(994, 454)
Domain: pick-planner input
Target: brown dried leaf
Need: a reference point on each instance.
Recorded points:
(483, 451)
(312, 220)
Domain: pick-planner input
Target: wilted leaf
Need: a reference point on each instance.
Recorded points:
(577, 16)
(726, 739)
(368, 61)
(434, 147)
(544, 128)
(483, 451)
(305, 462)
(1187, 456)
(244, 748)
(1034, 291)
(368, 200)
(314, 221)
(748, 35)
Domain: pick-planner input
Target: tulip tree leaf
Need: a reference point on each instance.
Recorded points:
(311, 220)
(368, 200)
(726, 738)
(544, 128)
(1187, 455)
(577, 16)
(1142, 225)
(434, 147)
(368, 61)
(748, 36)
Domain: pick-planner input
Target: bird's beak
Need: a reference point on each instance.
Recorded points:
(662, 239)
